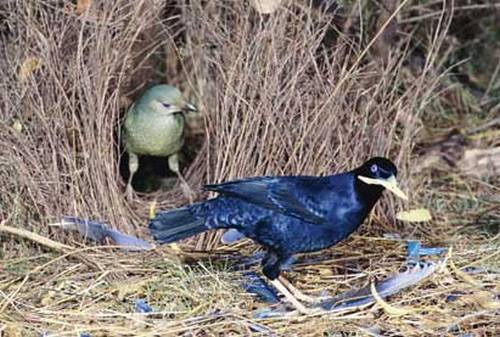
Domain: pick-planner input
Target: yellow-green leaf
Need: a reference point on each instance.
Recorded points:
(17, 125)
(28, 67)
(152, 210)
(82, 6)
(482, 299)
(266, 6)
(414, 215)
(12, 330)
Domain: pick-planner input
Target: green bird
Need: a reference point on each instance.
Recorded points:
(154, 126)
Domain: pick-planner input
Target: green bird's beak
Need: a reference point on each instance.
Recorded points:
(190, 107)
(390, 183)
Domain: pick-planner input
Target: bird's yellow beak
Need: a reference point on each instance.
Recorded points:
(390, 183)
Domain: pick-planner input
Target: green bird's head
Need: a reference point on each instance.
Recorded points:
(167, 99)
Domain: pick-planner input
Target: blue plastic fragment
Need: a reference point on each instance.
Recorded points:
(415, 250)
(287, 265)
(231, 236)
(261, 329)
(254, 284)
(93, 230)
(452, 298)
(387, 287)
(142, 306)
(269, 313)
(432, 251)
(98, 231)
(128, 242)
(246, 262)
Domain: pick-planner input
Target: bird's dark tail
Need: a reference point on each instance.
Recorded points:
(176, 224)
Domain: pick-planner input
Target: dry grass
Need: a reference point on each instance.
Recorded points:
(203, 298)
(299, 91)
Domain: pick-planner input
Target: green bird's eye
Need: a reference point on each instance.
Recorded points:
(166, 105)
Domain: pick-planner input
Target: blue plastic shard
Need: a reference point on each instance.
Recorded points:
(389, 286)
(232, 235)
(287, 265)
(142, 306)
(99, 231)
(94, 230)
(254, 284)
(266, 313)
(432, 251)
(261, 329)
(413, 247)
(415, 250)
(128, 242)
(246, 262)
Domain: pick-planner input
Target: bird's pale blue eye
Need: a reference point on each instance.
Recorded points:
(166, 105)
(374, 168)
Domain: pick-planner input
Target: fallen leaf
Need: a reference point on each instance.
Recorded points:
(48, 299)
(127, 288)
(17, 125)
(11, 330)
(152, 210)
(175, 247)
(414, 215)
(82, 6)
(28, 67)
(388, 309)
(482, 299)
(266, 6)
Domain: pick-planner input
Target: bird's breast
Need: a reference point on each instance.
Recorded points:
(155, 135)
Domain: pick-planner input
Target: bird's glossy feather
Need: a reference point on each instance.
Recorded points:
(310, 199)
(286, 215)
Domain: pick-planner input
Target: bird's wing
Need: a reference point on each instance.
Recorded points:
(306, 198)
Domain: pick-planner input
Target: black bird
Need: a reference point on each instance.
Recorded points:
(286, 215)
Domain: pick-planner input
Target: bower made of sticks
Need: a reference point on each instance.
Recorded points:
(292, 92)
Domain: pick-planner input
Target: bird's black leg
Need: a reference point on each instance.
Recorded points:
(270, 265)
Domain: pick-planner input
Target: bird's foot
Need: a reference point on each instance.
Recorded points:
(300, 295)
(299, 307)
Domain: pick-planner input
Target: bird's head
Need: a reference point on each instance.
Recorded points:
(167, 99)
(382, 172)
